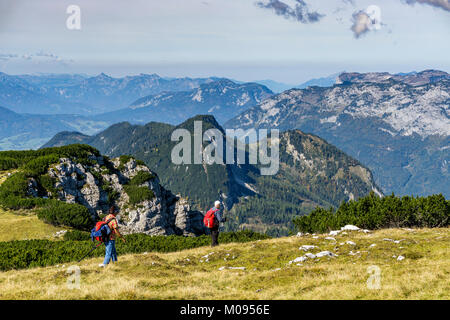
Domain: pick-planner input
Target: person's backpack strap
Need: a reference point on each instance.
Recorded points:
(108, 221)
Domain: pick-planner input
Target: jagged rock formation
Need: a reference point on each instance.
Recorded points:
(101, 183)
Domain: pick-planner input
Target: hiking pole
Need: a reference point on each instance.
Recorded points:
(90, 252)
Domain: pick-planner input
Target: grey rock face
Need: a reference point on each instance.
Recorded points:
(93, 186)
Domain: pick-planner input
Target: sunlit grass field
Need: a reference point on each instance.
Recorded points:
(424, 273)
(16, 226)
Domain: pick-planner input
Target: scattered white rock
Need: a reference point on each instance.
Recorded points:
(232, 268)
(365, 231)
(353, 253)
(350, 227)
(351, 243)
(315, 237)
(325, 253)
(277, 269)
(344, 233)
(60, 233)
(400, 258)
(335, 232)
(307, 247)
(372, 245)
(299, 259)
(310, 255)
(398, 241)
(299, 234)
(330, 238)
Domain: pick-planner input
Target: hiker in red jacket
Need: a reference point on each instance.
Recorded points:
(212, 220)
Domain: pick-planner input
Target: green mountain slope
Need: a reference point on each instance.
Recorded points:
(311, 173)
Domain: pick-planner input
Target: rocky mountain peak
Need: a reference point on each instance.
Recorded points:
(144, 205)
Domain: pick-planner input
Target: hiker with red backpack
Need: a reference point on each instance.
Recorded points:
(110, 239)
(212, 220)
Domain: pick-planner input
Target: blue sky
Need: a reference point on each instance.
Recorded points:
(232, 38)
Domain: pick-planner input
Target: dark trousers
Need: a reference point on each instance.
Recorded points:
(214, 236)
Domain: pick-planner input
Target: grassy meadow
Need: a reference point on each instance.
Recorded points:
(199, 273)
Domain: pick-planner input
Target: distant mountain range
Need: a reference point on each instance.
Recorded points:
(397, 125)
(320, 82)
(219, 97)
(30, 131)
(279, 87)
(77, 94)
(411, 78)
(312, 172)
(222, 98)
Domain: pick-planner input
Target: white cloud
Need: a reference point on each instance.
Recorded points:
(442, 4)
(38, 57)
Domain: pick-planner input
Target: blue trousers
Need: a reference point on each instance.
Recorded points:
(110, 251)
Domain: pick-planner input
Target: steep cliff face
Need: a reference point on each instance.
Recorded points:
(399, 129)
(144, 205)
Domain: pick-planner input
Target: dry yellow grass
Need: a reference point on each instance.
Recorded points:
(15, 226)
(4, 175)
(423, 274)
(22, 224)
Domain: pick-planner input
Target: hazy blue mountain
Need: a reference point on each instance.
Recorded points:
(49, 80)
(223, 99)
(399, 126)
(30, 131)
(320, 82)
(79, 94)
(21, 96)
(106, 93)
(275, 86)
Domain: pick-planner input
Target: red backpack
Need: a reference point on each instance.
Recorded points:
(101, 232)
(210, 218)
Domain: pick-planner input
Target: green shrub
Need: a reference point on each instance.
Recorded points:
(140, 162)
(7, 163)
(138, 194)
(40, 165)
(40, 253)
(124, 159)
(372, 212)
(15, 186)
(77, 235)
(59, 213)
(140, 178)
